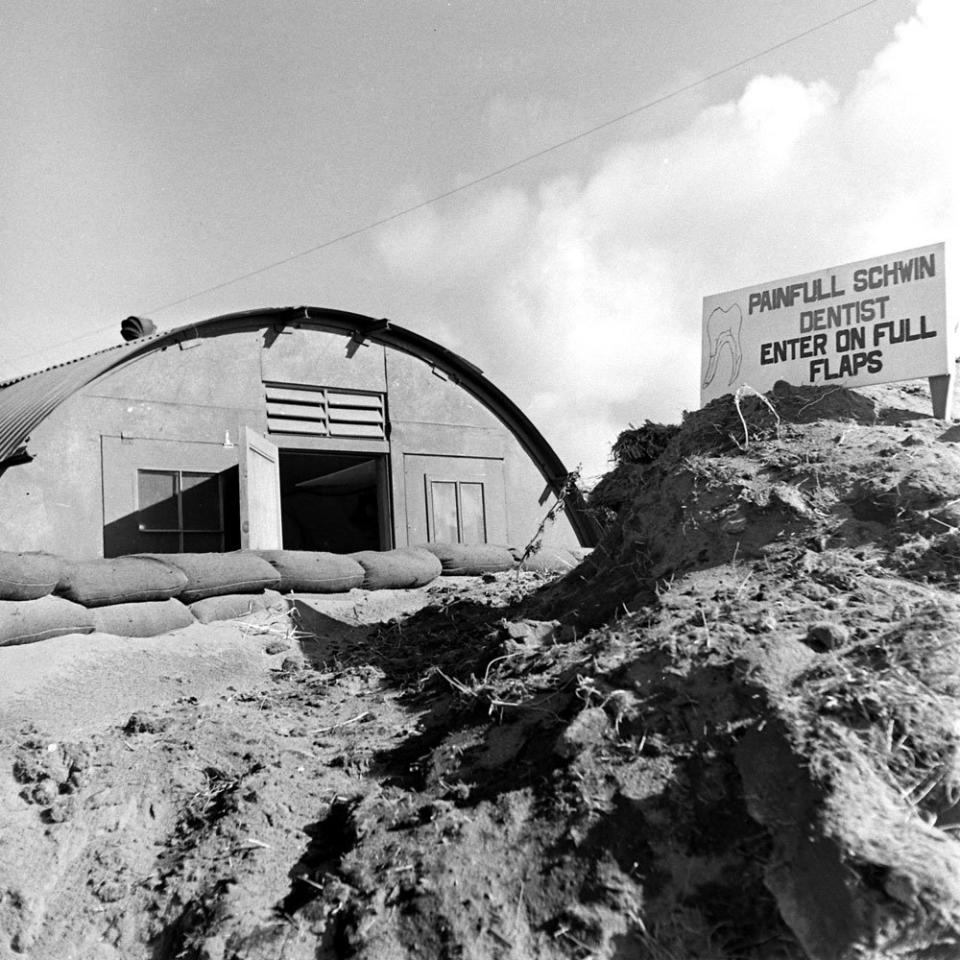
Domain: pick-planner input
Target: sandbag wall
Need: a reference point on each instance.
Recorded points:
(44, 596)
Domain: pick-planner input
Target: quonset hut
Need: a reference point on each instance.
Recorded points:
(297, 428)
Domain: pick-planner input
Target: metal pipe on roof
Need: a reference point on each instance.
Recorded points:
(133, 328)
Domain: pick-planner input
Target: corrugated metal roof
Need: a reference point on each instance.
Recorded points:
(26, 401)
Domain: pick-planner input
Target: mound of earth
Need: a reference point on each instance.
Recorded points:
(732, 732)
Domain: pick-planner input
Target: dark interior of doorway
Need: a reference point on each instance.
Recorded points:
(330, 501)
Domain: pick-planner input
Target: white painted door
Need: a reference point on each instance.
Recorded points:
(260, 521)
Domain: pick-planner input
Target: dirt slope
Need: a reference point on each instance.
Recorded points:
(731, 733)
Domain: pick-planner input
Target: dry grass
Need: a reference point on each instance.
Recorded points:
(898, 695)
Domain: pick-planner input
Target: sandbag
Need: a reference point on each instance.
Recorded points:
(100, 583)
(28, 576)
(141, 619)
(551, 560)
(397, 569)
(27, 621)
(471, 560)
(313, 572)
(216, 574)
(230, 606)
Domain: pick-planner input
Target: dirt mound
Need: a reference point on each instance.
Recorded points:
(733, 732)
(753, 477)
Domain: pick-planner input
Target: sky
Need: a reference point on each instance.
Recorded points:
(153, 151)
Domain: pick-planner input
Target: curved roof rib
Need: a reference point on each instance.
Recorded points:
(27, 401)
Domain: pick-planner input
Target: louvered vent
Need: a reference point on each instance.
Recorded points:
(323, 412)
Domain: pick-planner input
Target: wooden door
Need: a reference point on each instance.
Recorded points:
(261, 527)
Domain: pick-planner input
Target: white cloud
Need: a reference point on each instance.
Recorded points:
(425, 245)
(585, 296)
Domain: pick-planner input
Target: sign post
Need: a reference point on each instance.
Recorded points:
(874, 321)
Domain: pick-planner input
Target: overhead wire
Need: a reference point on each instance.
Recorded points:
(499, 171)
(62, 343)
(558, 145)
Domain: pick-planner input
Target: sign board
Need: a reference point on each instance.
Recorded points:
(874, 321)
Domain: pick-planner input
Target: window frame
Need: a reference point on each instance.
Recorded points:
(181, 531)
(457, 482)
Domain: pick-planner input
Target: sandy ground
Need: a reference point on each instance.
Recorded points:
(140, 733)
(76, 686)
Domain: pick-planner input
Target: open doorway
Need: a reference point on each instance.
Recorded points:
(333, 501)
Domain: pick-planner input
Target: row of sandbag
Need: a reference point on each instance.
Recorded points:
(182, 587)
(28, 621)
(194, 576)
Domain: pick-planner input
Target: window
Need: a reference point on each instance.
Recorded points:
(180, 511)
(456, 511)
(324, 412)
